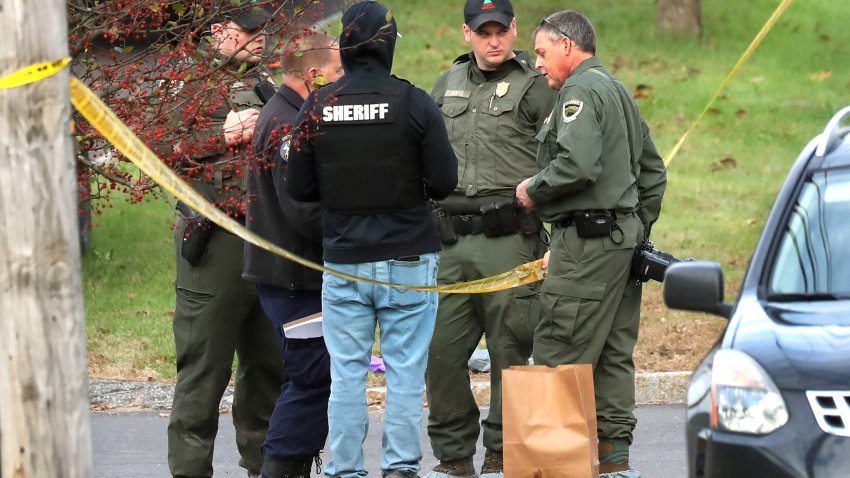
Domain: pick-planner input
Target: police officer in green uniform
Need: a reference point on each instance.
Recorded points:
(493, 102)
(600, 186)
(217, 313)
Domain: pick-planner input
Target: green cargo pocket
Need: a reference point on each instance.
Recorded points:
(526, 304)
(451, 110)
(568, 309)
(628, 240)
(505, 123)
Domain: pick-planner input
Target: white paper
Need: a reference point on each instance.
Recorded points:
(304, 328)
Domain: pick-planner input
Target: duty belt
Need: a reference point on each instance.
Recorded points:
(497, 219)
(569, 219)
(466, 225)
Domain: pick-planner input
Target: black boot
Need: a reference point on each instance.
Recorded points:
(289, 467)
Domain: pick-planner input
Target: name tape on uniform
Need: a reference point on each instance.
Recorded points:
(456, 94)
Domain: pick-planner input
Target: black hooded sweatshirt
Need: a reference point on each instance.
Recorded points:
(366, 46)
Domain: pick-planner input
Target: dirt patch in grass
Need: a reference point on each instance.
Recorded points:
(672, 341)
(101, 370)
(102, 367)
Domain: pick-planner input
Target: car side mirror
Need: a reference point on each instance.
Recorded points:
(696, 286)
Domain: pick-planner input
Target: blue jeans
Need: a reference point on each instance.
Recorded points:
(351, 310)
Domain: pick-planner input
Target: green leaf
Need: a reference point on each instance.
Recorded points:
(242, 69)
(335, 29)
(389, 15)
(179, 9)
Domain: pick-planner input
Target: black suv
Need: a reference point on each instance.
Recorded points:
(772, 398)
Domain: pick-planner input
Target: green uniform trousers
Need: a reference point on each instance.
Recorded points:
(590, 315)
(507, 318)
(217, 314)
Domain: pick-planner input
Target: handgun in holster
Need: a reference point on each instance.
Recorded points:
(196, 234)
(443, 223)
(529, 223)
(506, 217)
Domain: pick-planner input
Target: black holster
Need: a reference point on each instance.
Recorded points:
(591, 224)
(506, 217)
(196, 234)
(443, 223)
(529, 223)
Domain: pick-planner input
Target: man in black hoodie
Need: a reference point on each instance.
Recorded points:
(373, 149)
(288, 291)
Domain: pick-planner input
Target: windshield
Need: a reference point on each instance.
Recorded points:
(814, 254)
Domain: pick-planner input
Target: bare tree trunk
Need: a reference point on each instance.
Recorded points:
(44, 417)
(679, 16)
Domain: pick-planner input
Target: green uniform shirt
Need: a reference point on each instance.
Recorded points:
(217, 171)
(491, 118)
(595, 151)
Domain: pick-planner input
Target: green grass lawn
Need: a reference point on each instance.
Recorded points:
(778, 101)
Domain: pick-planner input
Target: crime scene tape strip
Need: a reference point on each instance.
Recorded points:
(668, 158)
(33, 73)
(105, 121)
(117, 133)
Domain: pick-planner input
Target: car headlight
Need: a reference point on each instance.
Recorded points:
(744, 398)
(700, 383)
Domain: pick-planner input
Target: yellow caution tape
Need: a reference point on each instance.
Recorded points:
(117, 133)
(33, 73)
(105, 121)
(668, 158)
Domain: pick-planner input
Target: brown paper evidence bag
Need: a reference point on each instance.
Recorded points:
(549, 422)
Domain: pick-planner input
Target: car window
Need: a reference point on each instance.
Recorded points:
(814, 254)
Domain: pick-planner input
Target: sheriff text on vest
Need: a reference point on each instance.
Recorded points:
(355, 112)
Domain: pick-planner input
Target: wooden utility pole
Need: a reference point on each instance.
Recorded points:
(44, 417)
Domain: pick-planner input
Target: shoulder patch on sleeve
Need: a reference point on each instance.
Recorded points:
(571, 109)
(284, 147)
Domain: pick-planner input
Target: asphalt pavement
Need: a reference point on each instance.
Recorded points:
(133, 444)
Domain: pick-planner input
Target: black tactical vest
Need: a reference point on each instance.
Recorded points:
(369, 160)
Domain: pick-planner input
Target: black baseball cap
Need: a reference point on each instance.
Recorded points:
(479, 12)
(249, 18)
(244, 13)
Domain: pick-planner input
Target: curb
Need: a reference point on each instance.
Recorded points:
(658, 388)
(661, 388)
